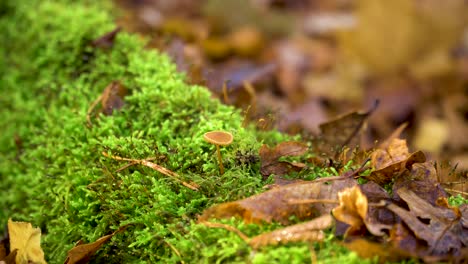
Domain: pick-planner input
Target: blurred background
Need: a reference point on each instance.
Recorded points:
(293, 64)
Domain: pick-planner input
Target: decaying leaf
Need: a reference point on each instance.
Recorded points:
(341, 132)
(106, 40)
(112, 98)
(10, 258)
(270, 158)
(27, 240)
(352, 210)
(308, 231)
(81, 253)
(276, 204)
(5, 256)
(442, 228)
(392, 160)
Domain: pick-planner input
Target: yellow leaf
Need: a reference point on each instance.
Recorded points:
(27, 240)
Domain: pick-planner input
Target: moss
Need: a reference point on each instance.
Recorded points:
(51, 168)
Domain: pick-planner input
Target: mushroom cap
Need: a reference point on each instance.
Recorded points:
(221, 138)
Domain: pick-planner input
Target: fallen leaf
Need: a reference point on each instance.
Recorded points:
(442, 228)
(11, 258)
(106, 40)
(377, 214)
(303, 232)
(269, 158)
(81, 253)
(27, 240)
(113, 97)
(341, 132)
(421, 180)
(392, 161)
(352, 210)
(276, 204)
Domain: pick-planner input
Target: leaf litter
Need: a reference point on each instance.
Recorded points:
(373, 216)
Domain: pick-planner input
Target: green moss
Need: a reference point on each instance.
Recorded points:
(55, 176)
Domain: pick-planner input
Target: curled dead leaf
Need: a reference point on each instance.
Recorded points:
(353, 209)
(393, 159)
(81, 253)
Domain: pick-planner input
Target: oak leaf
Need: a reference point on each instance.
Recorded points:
(442, 228)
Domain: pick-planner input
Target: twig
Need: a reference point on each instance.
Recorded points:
(225, 93)
(175, 251)
(91, 109)
(455, 191)
(156, 167)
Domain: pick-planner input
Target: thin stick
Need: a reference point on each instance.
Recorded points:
(455, 191)
(225, 93)
(156, 167)
(175, 251)
(90, 110)
(251, 91)
(246, 117)
(229, 228)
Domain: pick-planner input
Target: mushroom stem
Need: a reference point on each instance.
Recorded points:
(220, 160)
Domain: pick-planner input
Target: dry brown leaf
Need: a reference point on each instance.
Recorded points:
(390, 152)
(308, 231)
(352, 210)
(113, 97)
(276, 204)
(392, 160)
(5, 256)
(11, 258)
(269, 158)
(341, 132)
(3, 251)
(442, 228)
(81, 253)
(27, 240)
(106, 40)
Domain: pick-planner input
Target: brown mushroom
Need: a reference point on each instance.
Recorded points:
(219, 138)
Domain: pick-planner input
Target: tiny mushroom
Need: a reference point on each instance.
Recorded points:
(219, 138)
